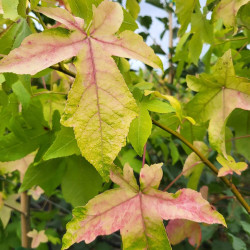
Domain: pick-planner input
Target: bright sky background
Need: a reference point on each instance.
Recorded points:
(155, 31)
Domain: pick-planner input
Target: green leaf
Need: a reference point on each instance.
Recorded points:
(140, 129)
(81, 182)
(128, 23)
(192, 133)
(219, 94)
(64, 145)
(34, 3)
(145, 21)
(48, 175)
(245, 226)
(243, 15)
(83, 8)
(202, 27)
(241, 130)
(184, 10)
(195, 48)
(22, 94)
(238, 244)
(174, 152)
(21, 8)
(129, 156)
(133, 7)
(10, 9)
(158, 106)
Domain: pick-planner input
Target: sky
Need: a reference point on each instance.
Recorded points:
(155, 31)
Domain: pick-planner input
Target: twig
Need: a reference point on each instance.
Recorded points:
(237, 138)
(170, 45)
(16, 209)
(179, 175)
(63, 70)
(208, 163)
(144, 155)
(41, 20)
(25, 219)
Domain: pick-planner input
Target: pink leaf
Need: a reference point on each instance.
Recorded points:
(39, 51)
(138, 213)
(64, 17)
(178, 230)
(37, 237)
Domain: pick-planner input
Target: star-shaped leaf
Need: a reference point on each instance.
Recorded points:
(137, 211)
(219, 94)
(37, 237)
(100, 107)
(229, 166)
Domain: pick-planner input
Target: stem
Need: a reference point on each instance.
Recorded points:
(16, 209)
(41, 20)
(179, 176)
(63, 70)
(48, 92)
(170, 45)
(25, 219)
(144, 155)
(208, 163)
(239, 137)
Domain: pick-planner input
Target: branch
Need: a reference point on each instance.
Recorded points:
(208, 163)
(14, 208)
(63, 70)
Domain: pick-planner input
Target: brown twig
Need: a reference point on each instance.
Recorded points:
(208, 163)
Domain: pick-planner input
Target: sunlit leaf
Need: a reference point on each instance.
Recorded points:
(229, 166)
(219, 94)
(137, 212)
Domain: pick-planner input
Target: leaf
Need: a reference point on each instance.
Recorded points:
(243, 16)
(229, 166)
(137, 212)
(35, 192)
(184, 10)
(227, 10)
(10, 9)
(20, 165)
(193, 165)
(64, 145)
(22, 93)
(158, 106)
(5, 211)
(174, 152)
(241, 130)
(133, 7)
(140, 129)
(102, 120)
(174, 103)
(178, 230)
(83, 8)
(202, 26)
(238, 243)
(128, 23)
(47, 175)
(219, 94)
(39, 51)
(37, 237)
(195, 48)
(129, 157)
(81, 182)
